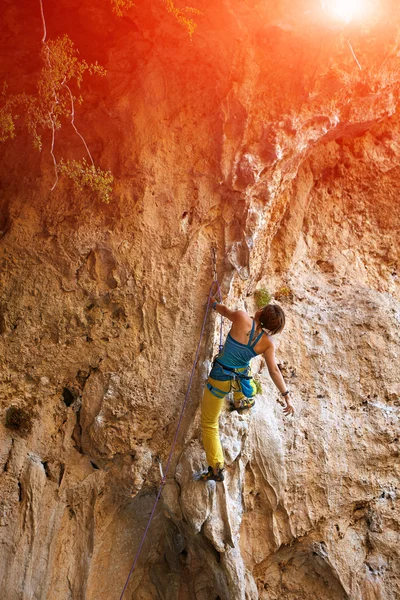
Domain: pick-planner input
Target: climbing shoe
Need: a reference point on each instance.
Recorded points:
(211, 476)
(245, 403)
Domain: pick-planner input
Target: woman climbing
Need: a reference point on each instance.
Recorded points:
(248, 337)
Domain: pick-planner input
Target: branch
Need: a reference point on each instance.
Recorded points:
(355, 57)
(52, 150)
(44, 22)
(73, 122)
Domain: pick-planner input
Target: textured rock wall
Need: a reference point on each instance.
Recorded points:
(263, 139)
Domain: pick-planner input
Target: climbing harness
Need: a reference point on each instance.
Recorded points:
(212, 291)
(240, 379)
(232, 370)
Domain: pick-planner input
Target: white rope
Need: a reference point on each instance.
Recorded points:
(52, 151)
(73, 123)
(44, 22)
(355, 57)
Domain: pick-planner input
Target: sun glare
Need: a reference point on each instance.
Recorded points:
(346, 10)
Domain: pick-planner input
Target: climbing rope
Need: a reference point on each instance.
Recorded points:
(220, 297)
(164, 476)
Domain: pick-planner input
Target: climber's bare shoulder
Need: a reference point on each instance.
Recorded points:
(265, 345)
(240, 316)
(241, 326)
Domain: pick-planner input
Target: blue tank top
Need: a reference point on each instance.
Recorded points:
(235, 355)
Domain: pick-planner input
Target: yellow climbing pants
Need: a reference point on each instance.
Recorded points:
(211, 407)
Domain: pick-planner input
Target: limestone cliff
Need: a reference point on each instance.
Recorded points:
(272, 136)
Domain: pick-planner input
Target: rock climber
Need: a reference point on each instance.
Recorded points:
(247, 338)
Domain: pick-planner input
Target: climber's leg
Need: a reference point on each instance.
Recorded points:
(211, 407)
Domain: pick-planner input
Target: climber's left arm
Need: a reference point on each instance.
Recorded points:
(221, 309)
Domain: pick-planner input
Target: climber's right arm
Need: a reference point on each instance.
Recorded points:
(277, 378)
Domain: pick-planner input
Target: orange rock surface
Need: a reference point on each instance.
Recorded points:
(272, 136)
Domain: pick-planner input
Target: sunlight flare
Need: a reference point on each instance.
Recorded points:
(345, 10)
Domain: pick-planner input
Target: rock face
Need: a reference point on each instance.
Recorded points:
(263, 139)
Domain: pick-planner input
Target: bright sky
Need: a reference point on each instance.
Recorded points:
(345, 10)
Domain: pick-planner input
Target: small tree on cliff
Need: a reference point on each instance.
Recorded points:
(53, 103)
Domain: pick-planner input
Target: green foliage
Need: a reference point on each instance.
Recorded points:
(180, 14)
(84, 175)
(262, 297)
(284, 293)
(7, 108)
(54, 99)
(7, 127)
(54, 102)
(258, 386)
(120, 5)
